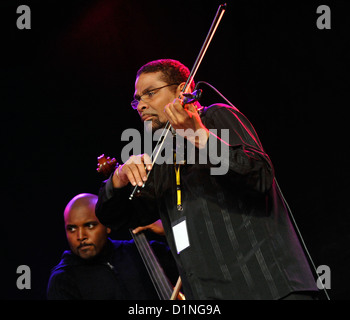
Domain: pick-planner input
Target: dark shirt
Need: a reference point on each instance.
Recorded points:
(242, 243)
(117, 273)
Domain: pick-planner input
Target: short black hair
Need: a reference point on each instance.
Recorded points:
(173, 71)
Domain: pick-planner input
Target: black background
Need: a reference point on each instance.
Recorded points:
(66, 86)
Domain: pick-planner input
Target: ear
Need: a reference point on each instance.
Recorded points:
(109, 230)
(180, 88)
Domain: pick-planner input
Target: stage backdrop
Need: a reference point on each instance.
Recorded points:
(67, 79)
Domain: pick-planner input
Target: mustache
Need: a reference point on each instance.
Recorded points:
(83, 244)
(148, 114)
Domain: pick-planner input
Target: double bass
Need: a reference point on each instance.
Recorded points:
(163, 286)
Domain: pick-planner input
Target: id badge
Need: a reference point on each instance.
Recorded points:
(180, 235)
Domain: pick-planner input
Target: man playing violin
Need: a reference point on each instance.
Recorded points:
(230, 234)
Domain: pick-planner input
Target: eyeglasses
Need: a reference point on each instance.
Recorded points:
(147, 97)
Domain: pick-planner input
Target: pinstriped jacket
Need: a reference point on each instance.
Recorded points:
(242, 244)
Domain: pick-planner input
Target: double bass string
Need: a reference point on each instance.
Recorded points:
(160, 281)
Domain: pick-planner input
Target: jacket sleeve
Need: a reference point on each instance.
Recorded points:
(240, 148)
(115, 210)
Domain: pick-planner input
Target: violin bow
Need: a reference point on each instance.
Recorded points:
(218, 16)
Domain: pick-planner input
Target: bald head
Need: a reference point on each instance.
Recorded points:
(85, 234)
(83, 200)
